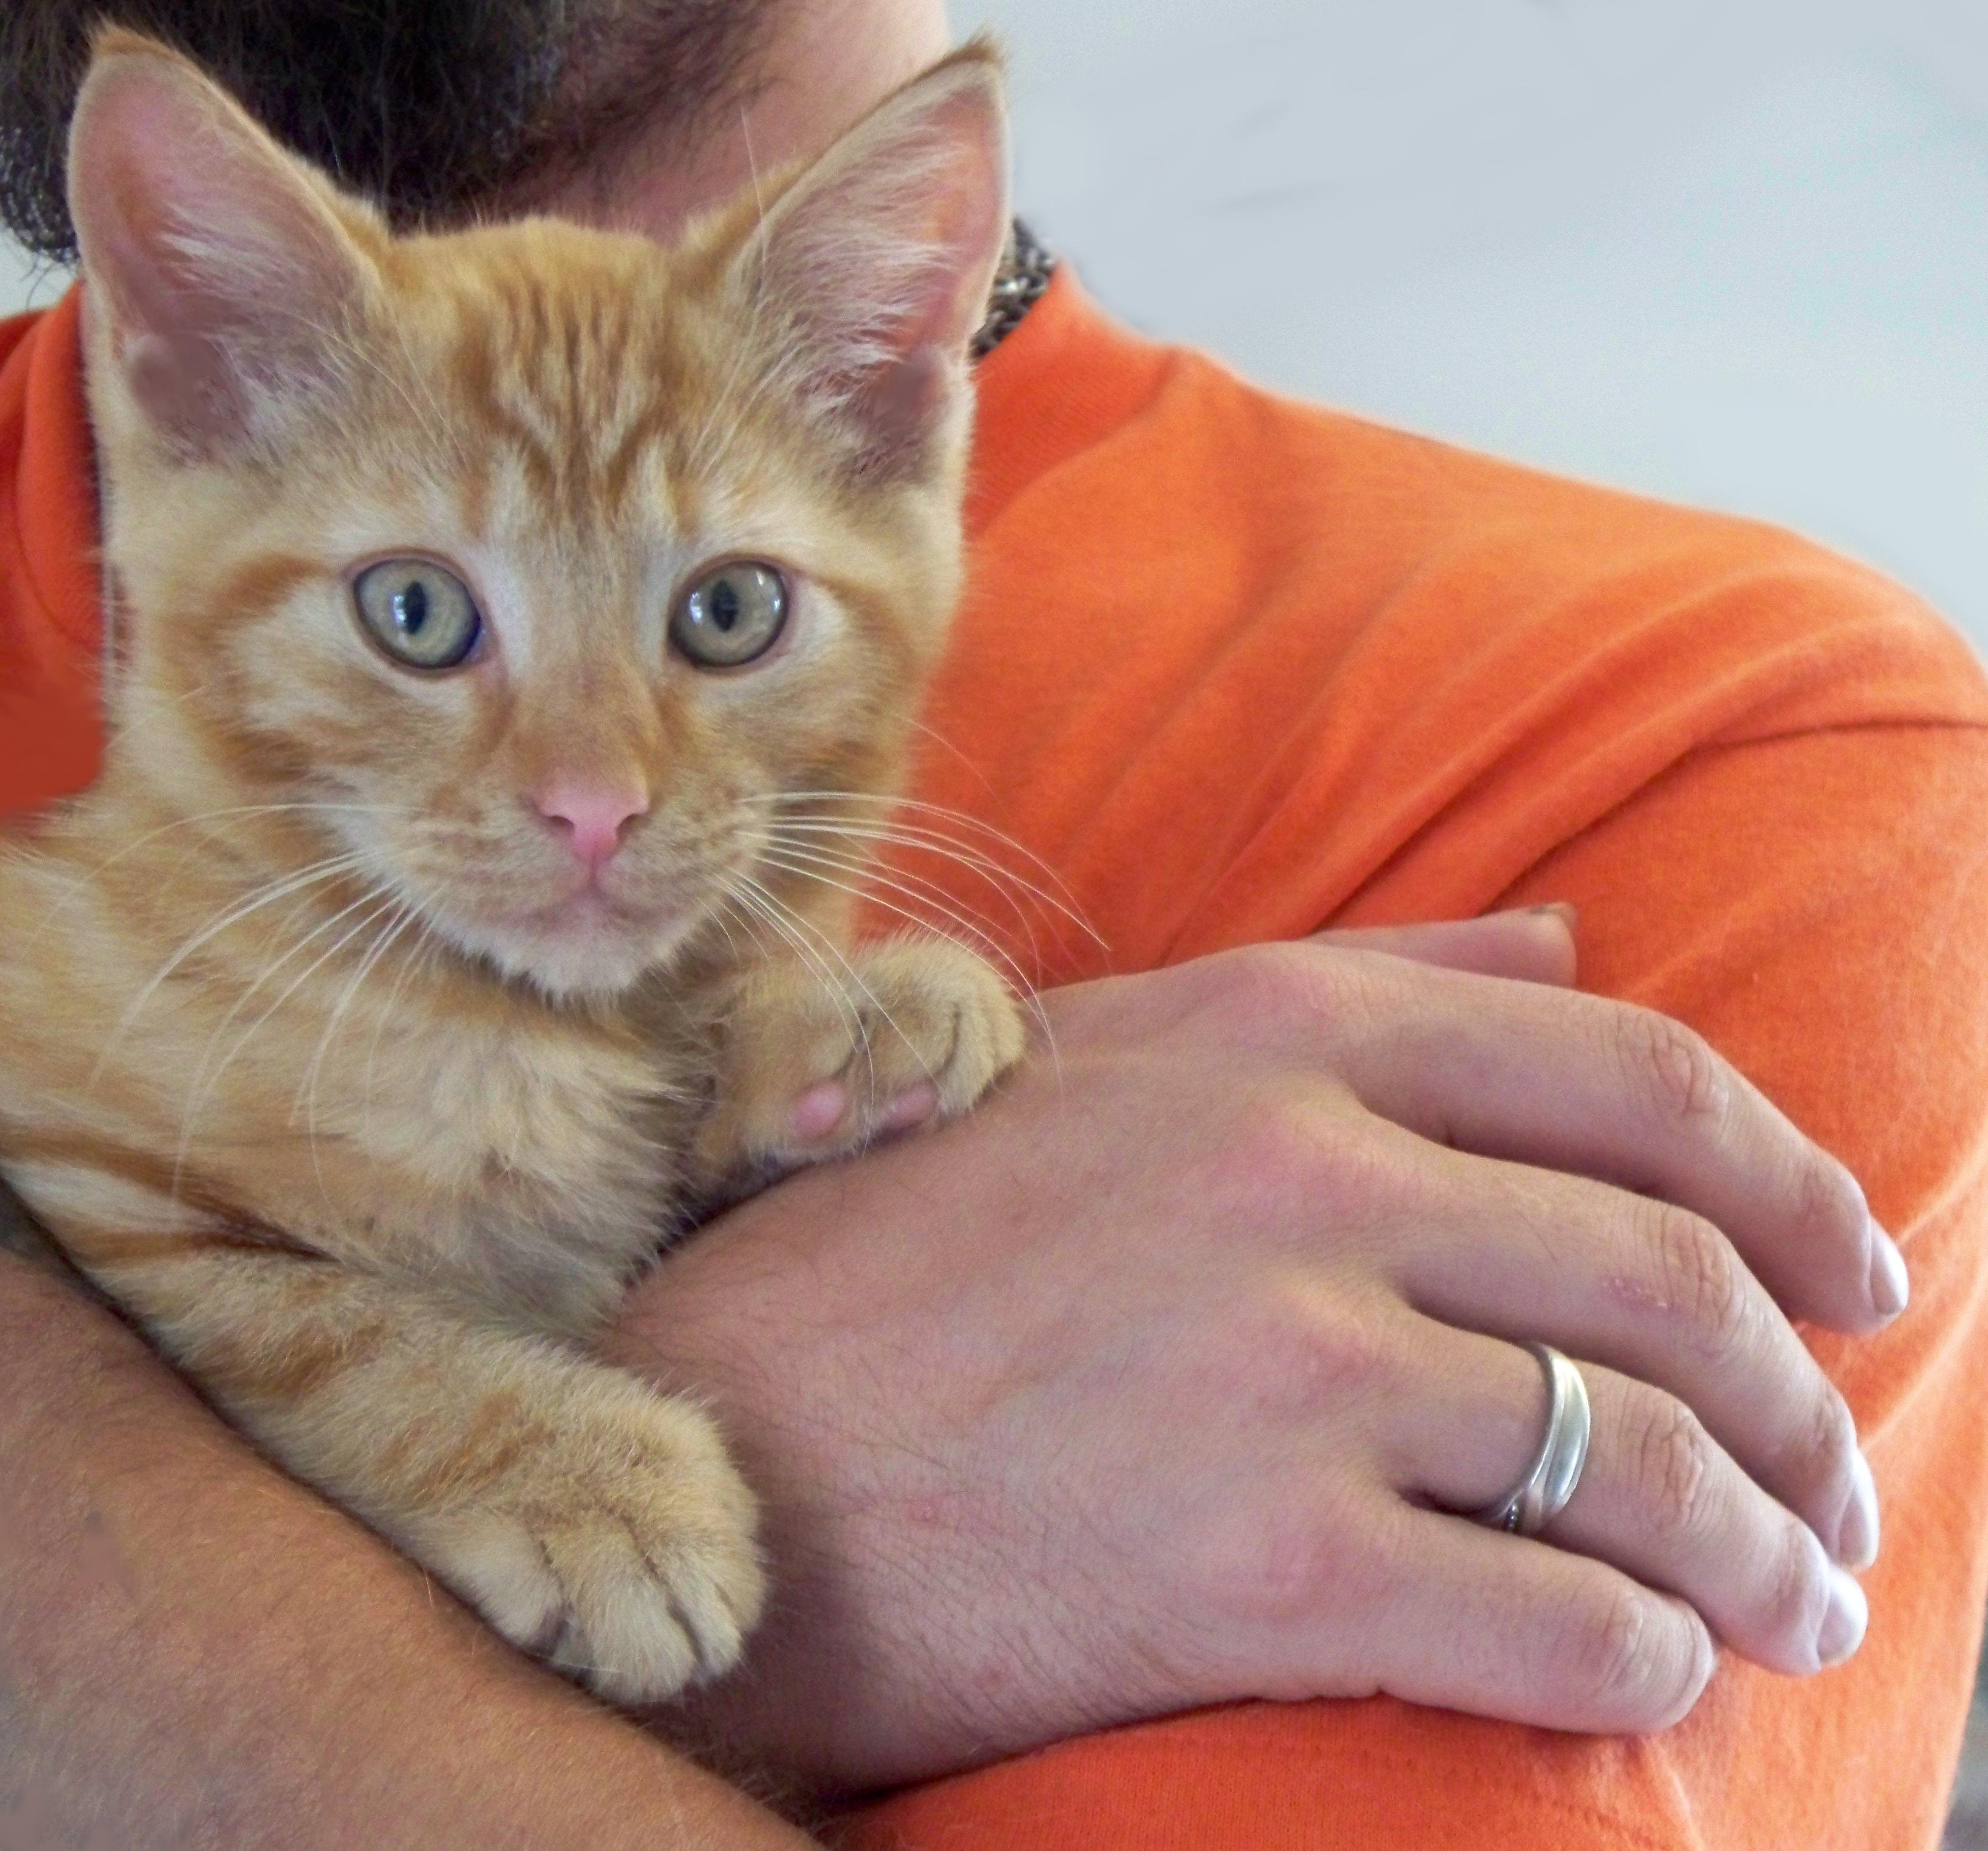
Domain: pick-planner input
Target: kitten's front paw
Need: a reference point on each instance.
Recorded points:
(611, 1536)
(920, 1029)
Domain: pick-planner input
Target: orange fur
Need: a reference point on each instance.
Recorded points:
(314, 1061)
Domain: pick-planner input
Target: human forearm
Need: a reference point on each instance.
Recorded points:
(193, 1651)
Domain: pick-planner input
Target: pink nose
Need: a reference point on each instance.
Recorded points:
(591, 816)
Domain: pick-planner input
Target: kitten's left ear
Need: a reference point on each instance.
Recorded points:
(877, 261)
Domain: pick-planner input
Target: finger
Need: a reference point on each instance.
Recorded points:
(1658, 1498)
(1659, 1294)
(1467, 1618)
(1534, 944)
(1604, 1089)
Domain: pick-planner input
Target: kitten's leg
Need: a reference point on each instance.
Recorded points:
(922, 1027)
(589, 1519)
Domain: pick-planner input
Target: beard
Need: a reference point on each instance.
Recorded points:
(434, 108)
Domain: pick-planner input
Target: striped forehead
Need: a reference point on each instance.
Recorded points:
(577, 390)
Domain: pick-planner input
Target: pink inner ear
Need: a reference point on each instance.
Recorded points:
(968, 224)
(215, 260)
(884, 253)
(186, 388)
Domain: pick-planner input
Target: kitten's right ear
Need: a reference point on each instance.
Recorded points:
(871, 270)
(228, 271)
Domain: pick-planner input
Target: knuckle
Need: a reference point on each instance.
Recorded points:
(1823, 1451)
(1304, 1155)
(1690, 1670)
(1636, 1663)
(1273, 1151)
(1830, 1201)
(1700, 1274)
(1673, 1067)
(1672, 1456)
(1615, 1650)
(1273, 985)
(1314, 1351)
(1262, 980)
(1286, 1565)
(1798, 1588)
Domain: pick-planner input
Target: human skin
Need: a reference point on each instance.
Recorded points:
(1128, 1395)
(191, 1648)
(194, 1652)
(822, 58)
(825, 65)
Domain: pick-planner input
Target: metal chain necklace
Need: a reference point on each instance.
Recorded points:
(1024, 273)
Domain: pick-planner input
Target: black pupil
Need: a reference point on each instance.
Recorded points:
(724, 609)
(411, 608)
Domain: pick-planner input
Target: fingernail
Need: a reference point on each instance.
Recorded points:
(1564, 910)
(1842, 1629)
(1856, 1540)
(1890, 1286)
(819, 1111)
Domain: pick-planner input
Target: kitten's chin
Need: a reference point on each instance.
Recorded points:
(585, 949)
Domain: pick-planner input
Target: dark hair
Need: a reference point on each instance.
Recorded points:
(430, 107)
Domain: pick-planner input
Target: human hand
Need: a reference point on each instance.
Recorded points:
(1149, 1384)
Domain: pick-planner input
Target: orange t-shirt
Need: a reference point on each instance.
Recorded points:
(1235, 669)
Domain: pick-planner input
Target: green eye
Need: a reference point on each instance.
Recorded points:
(730, 615)
(419, 613)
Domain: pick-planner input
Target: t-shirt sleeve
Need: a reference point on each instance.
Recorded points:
(1816, 903)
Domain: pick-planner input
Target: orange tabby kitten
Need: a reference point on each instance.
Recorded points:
(508, 620)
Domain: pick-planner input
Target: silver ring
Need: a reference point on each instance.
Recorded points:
(1542, 1494)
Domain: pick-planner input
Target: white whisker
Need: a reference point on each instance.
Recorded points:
(397, 923)
(911, 806)
(201, 1087)
(87, 879)
(1012, 887)
(429, 948)
(791, 926)
(266, 895)
(820, 851)
(988, 948)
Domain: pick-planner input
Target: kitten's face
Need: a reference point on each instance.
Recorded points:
(667, 613)
(548, 572)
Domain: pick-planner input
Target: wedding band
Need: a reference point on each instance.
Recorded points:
(1542, 1494)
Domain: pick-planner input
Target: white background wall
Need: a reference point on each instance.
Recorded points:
(1733, 252)
(21, 284)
